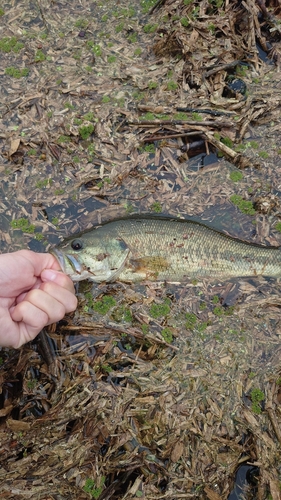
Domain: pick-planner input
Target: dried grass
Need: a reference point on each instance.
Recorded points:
(119, 405)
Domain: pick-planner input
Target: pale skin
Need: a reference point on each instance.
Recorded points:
(33, 293)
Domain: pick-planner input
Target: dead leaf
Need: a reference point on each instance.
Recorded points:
(177, 451)
(211, 494)
(17, 425)
(14, 146)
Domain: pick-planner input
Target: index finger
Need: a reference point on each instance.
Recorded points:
(40, 261)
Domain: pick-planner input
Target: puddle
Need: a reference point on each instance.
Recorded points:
(74, 154)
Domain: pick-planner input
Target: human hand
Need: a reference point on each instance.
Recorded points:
(33, 293)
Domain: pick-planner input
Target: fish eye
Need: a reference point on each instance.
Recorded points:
(77, 245)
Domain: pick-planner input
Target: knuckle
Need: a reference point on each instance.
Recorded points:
(60, 310)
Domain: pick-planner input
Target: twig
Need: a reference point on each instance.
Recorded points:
(222, 147)
(156, 5)
(236, 158)
(212, 112)
(275, 425)
(189, 124)
(214, 69)
(171, 136)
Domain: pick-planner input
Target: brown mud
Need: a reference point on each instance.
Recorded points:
(156, 390)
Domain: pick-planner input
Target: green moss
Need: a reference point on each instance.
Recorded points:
(63, 138)
(228, 311)
(184, 21)
(16, 73)
(156, 207)
(161, 116)
(180, 116)
(201, 327)
(39, 56)
(149, 148)
(278, 227)
(150, 28)
(106, 368)
(105, 99)
(91, 488)
(23, 225)
(152, 85)
(144, 328)
(44, 183)
(10, 44)
(191, 321)
(218, 311)
(137, 52)
(119, 27)
(77, 121)
(91, 149)
(31, 384)
(86, 131)
(263, 154)
(96, 49)
(158, 310)
(2, 12)
(257, 396)
(254, 144)
(89, 116)
(196, 117)
(128, 317)
(31, 152)
(146, 5)
(227, 142)
(240, 70)
(215, 299)
(111, 59)
(171, 85)
(167, 335)
(39, 236)
(122, 313)
(58, 191)
(104, 305)
(244, 206)
(129, 207)
(55, 221)
(256, 408)
(81, 23)
(236, 175)
(148, 116)
(132, 38)
(69, 105)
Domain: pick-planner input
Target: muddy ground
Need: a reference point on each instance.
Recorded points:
(108, 109)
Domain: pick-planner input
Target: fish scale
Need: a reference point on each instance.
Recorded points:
(163, 249)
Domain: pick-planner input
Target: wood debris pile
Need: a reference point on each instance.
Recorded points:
(119, 113)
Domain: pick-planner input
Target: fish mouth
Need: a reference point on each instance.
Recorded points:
(66, 260)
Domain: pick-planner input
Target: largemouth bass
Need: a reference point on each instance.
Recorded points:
(136, 249)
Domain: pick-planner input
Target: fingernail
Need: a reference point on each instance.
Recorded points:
(49, 275)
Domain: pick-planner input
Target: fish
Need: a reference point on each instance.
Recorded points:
(159, 249)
